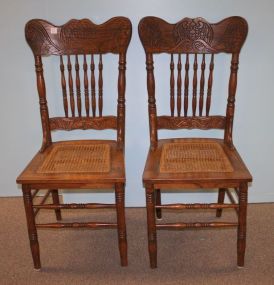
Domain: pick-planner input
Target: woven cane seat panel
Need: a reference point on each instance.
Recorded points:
(194, 157)
(77, 159)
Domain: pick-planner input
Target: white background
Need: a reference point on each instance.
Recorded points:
(20, 120)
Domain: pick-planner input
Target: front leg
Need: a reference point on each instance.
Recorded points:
(122, 235)
(151, 226)
(33, 238)
(241, 241)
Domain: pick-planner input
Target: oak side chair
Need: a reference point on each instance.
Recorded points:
(193, 163)
(78, 164)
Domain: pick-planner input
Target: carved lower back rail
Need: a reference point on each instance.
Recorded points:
(98, 123)
(204, 123)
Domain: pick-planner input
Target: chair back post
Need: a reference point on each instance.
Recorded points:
(151, 102)
(121, 101)
(231, 99)
(41, 87)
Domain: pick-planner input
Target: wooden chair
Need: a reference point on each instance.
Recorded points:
(81, 164)
(191, 163)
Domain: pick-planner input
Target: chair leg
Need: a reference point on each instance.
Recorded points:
(33, 238)
(55, 199)
(241, 242)
(158, 203)
(221, 198)
(151, 226)
(122, 235)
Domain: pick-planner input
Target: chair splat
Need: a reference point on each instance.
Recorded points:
(172, 82)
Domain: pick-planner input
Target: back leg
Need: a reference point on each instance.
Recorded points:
(221, 198)
(158, 203)
(55, 199)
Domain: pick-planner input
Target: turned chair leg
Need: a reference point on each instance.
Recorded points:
(221, 198)
(33, 238)
(151, 226)
(241, 242)
(158, 203)
(55, 199)
(122, 235)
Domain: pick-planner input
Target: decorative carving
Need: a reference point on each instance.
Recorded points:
(78, 37)
(84, 123)
(192, 35)
(204, 123)
(39, 39)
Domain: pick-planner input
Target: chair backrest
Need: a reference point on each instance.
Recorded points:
(77, 43)
(198, 39)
